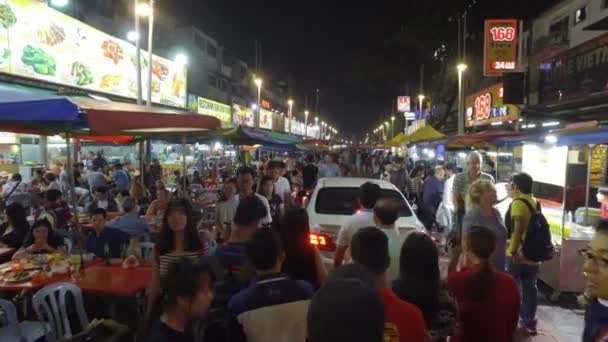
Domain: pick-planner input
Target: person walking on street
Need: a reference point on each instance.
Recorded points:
(488, 299)
(523, 270)
(369, 193)
(432, 192)
(403, 321)
(481, 200)
(310, 173)
(462, 181)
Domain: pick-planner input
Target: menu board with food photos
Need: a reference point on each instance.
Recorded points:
(597, 175)
(39, 42)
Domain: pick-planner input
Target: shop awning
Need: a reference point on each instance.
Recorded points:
(425, 133)
(397, 140)
(316, 142)
(19, 105)
(46, 114)
(588, 137)
(270, 137)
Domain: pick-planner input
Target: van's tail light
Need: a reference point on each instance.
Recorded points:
(322, 242)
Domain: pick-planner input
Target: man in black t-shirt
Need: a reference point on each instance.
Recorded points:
(188, 292)
(310, 173)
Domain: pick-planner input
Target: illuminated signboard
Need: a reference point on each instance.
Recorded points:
(215, 109)
(403, 104)
(265, 104)
(486, 106)
(265, 119)
(500, 54)
(41, 43)
(575, 74)
(243, 115)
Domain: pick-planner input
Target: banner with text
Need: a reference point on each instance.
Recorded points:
(403, 104)
(486, 107)
(41, 43)
(500, 46)
(215, 109)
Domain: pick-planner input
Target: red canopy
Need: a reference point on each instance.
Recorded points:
(316, 142)
(123, 139)
(115, 118)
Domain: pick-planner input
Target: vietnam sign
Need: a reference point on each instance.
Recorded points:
(500, 50)
(215, 109)
(41, 43)
(576, 73)
(486, 107)
(403, 104)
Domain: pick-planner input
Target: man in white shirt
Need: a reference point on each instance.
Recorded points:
(369, 193)
(281, 184)
(443, 217)
(386, 213)
(245, 181)
(329, 168)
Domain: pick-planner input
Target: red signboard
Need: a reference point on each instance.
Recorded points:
(265, 104)
(486, 107)
(500, 53)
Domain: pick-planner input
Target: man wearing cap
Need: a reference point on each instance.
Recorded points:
(130, 223)
(602, 198)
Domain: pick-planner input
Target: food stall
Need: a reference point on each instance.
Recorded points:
(567, 169)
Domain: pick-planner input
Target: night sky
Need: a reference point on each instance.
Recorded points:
(343, 47)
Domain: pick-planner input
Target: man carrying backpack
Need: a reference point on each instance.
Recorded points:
(530, 244)
(229, 268)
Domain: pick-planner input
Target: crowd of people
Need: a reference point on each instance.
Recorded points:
(255, 276)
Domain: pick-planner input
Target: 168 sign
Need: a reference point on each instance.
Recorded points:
(500, 52)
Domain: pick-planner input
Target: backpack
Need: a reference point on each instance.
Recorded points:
(229, 280)
(537, 245)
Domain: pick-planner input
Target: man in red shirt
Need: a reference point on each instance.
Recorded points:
(403, 321)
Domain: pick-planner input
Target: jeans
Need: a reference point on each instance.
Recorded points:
(526, 275)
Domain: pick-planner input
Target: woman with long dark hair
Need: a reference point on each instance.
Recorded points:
(302, 260)
(275, 201)
(40, 240)
(16, 227)
(419, 283)
(177, 239)
(488, 299)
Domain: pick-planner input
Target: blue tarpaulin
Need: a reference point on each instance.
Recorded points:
(17, 105)
(596, 136)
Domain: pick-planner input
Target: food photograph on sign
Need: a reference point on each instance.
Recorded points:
(48, 45)
(486, 107)
(403, 104)
(500, 53)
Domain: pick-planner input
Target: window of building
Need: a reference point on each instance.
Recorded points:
(604, 4)
(211, 50)
(212, 81)
(580, 14)
(558, 31)
(199, 42)
(223, 85)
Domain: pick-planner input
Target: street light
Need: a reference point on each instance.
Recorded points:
(461, 68)
(60, 3)
(143, 9)
(306, 123)
(420, 99)
(133, 36)
(392, 126)
(290, 103)
(258, 82)
(181, 59)
(317, 125)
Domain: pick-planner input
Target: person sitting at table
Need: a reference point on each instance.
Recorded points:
(100, 236)
(119, 198)
(40, 240)
(60, 209)
(138, 193)
(103, 200)
(53, 183)
(130, 223)
(16, 227)
(178, 238)
(159, 205)
(188, 293)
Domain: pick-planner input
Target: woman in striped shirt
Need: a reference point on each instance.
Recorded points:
(178, 238)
